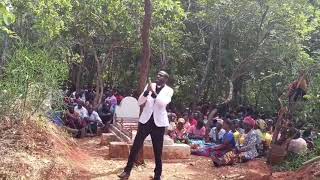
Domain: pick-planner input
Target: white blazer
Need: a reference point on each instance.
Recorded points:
(156, 106)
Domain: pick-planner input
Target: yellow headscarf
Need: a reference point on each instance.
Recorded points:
(261, 124)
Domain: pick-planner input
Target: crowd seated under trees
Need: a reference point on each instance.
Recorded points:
(81, 117)
(227, 135)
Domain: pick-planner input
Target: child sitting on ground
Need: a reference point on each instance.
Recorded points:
(216, 133)
(179, 134)
(196, 135)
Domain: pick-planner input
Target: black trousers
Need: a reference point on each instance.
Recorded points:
(157, 134)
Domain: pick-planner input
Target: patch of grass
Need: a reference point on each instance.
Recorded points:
(294, 161)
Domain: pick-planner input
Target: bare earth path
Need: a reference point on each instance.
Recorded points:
(97, 165)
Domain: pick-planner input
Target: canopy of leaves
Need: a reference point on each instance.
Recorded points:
(260, 46)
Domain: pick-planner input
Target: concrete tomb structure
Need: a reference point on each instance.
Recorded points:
(124, 129)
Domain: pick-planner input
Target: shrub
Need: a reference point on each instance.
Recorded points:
(30, 77)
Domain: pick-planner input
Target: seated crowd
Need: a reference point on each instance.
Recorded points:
(81, 118)
(227, 139)
(231, 138)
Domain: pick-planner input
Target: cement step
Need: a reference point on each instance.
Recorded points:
(120, 135)
(120, 150)
(106, 138)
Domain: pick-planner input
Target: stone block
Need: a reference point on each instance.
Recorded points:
(119, 150)
(170, 152)
(166, 140)
(175, 151)
(106, 138)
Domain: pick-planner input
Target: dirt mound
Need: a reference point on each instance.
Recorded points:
(307, 172)
(36, 149)
(255, 170)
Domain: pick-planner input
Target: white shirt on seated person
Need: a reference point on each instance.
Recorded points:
(94, 117)
(212, 134)
(82, 111)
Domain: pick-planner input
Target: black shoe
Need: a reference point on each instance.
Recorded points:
(157, 178)
(124, 175)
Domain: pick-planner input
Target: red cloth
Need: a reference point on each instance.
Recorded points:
(193, 122)
(250, 121)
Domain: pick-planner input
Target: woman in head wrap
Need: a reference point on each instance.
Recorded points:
(248, 151)
(260, 130)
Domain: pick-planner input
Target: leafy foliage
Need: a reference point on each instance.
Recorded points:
(29, 79)
(260, 46)
(6, 18)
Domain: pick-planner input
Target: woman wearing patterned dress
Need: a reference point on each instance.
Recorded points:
(248, 151)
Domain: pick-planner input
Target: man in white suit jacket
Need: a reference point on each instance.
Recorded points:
(153, 120)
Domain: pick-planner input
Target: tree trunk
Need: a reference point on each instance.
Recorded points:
(230, 94)
(219, 59)
(145, 33)
(78, 78)
(4, 52)
(79, 70)
(145, 64)
(200, 88)
(99, 82)
(164, 62)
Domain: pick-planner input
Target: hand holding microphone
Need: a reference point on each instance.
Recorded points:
(149, 88)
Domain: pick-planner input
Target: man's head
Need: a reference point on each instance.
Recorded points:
(219, 124)
(162, 78)
(180, 123)
(71, 109)
(90, 108)
(80, 104)
(115, 92)
(227, 124)
(236, 123)
(197, 115)
(172, 117)
(185, 116)
(78, 95)
(108, 93)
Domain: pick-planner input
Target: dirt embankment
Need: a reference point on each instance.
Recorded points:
(37, 150)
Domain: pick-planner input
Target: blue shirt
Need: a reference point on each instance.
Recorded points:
(228, 136)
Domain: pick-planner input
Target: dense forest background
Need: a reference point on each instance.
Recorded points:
(245, 51)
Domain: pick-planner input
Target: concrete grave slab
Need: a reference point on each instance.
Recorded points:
(128, 108)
